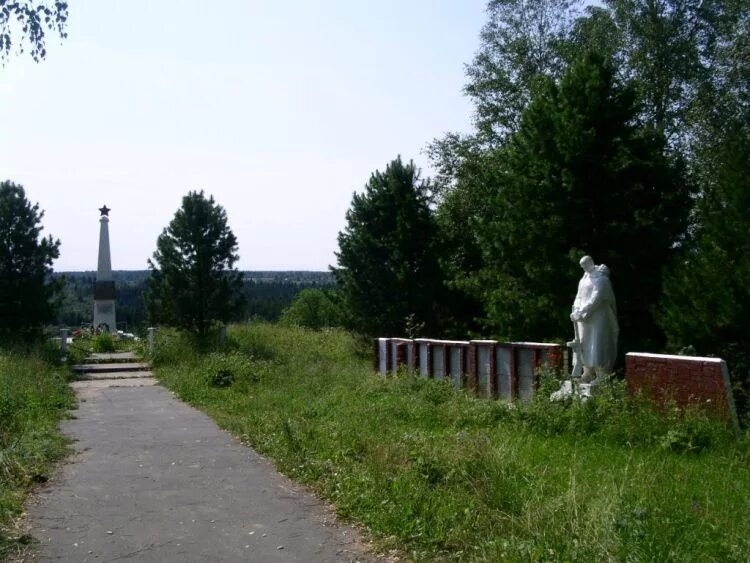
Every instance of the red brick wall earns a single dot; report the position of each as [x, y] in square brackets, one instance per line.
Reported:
[685, 380]
[556, 358]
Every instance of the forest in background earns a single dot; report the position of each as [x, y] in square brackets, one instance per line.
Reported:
[266, 293]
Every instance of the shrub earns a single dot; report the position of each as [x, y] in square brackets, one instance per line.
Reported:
[315, 308]
[103, 342]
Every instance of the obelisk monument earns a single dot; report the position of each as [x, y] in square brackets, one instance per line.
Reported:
[104, 292]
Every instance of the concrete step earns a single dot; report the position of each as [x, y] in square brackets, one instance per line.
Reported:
[111, 367]
[102, 376]
[112, 357]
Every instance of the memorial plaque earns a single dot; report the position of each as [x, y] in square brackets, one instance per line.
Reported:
[456, 366]
[438, 361]
[504, 373]
[483, 370]
[423, 349]
[382, 356]
[525, 369]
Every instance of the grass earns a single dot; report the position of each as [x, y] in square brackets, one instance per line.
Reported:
[83, 346]
[34, 396]
[444, 476]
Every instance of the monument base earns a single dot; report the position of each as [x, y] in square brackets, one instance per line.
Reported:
[570, 388]
[104, 315]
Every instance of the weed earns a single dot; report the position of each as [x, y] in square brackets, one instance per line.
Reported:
[103, 342]
[34, 397]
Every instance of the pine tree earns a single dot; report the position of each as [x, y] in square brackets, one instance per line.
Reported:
[193, 280]
[26, 288]
[387, 264]
[579, 178]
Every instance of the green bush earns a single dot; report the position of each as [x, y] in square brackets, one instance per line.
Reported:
[103, 342]
[316, 309]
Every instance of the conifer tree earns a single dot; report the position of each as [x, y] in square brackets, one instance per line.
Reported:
[193, 280]
[706, 303]
[26, 288]
[579, 178]
[387, 265]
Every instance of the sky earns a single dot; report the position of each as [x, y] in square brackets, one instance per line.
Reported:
[280, 110]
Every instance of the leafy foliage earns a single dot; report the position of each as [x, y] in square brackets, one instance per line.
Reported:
[33, 17]
[707, 298]
[26, 290]
[664, 49]
[522, 41]
[387, 259]
[315, 309]
[103, 342]
[668, 61]
[193, 281]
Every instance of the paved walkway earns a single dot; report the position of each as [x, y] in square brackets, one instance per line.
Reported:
[156, 480]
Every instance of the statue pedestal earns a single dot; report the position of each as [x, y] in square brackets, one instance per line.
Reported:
[570, 388]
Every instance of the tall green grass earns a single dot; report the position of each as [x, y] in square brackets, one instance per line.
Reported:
[34, 396]
[444, 476]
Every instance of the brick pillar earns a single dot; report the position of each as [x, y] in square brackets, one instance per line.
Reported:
[513, 372]
[375, 355]
[472, 371]
[401, 355]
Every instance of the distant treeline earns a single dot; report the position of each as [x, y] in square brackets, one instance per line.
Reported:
[267, 294]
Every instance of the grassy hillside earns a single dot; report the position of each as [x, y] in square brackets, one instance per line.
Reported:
[442, 475]
[34, 396]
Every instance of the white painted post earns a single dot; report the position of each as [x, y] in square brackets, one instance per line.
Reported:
[223, 333]
[151, 340]
[63, 342]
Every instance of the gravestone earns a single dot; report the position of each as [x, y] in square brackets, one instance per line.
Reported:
[424, 356]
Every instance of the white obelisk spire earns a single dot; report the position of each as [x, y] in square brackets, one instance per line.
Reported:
[104, 293]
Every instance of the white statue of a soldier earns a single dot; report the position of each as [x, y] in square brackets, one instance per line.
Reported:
[595, 317]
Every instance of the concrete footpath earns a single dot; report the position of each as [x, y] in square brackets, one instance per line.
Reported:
[153, 479]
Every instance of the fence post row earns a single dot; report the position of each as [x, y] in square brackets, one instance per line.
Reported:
[508, 370]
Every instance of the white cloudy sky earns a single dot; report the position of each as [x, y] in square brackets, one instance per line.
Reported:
[280, 109]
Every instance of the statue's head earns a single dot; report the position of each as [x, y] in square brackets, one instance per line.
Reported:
[603, 269]
[587, 263]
